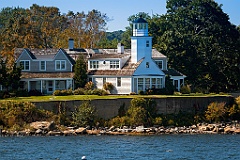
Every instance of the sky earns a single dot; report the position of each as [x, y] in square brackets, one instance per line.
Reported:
[118, 10]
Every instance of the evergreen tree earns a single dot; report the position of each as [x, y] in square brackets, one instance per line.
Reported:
[80, 72]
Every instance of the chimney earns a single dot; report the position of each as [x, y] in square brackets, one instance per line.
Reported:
[120, 48]
[70, 44]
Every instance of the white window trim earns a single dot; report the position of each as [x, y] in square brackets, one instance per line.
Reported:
[91, 65]
[117, 82]
[60, 69]
[45, 66]
[24, 65]
[159, 61]
[114, 63]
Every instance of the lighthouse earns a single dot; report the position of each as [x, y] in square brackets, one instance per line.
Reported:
[141, 43]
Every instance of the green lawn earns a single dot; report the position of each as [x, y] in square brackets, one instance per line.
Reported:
[92, 97]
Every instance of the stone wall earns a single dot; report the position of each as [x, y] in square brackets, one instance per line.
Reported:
[108, 108]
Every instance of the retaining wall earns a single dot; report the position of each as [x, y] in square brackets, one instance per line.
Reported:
[108, 108]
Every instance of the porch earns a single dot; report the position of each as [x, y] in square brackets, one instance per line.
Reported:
[46, 86]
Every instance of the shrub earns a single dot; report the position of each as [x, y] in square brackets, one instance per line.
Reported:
[119, 121]
[185, 89]
[79, 91]
[158, 121]
[19, 113]
[132, 93]
[108, 86]
[89, 85]
[34, 93]
[63, 92]
[22, 93]
[84, 115]
[216, 112]
[99, 92]
[140, 92]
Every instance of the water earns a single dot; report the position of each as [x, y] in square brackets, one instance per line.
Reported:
[162, 147]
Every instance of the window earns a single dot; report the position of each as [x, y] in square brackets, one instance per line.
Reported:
[147, 64]
[60, 84]
[147, 43]
[104, 80]
[140, 84]
[42, 65]
[119, 82]
[160, 64]
[94, 64]
[90, 79]
[114, 64]
[60, 65]
[25, 65]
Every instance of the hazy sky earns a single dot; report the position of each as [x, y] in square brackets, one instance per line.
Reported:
[118, 10]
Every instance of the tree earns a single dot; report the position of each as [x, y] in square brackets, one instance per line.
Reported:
[216, 112]
[80, 72]
[142, 111]
[9, 74]
[84, 115]
[200, 42]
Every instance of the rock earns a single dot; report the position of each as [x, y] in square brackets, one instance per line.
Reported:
[43, 125]
[237, 131]
[93, 132]
[39, 131]
[81, 130]
[69, 132]
[229, 129]
[112, 128]
[54, 133]
[140, 129]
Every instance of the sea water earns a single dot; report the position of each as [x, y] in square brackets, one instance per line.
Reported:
[162, 147]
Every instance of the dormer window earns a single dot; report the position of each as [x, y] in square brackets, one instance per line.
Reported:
[94, 64]
[147, 43]
[159, 63]
[114, 64]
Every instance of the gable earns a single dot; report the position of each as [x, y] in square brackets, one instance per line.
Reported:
[148, 68]
[25, 55]
[62, 55]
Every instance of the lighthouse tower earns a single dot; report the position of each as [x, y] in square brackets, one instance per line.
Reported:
[141, 43]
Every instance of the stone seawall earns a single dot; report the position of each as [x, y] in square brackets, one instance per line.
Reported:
[108, 108]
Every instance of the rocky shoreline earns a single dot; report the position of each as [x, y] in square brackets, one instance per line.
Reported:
[45, 128]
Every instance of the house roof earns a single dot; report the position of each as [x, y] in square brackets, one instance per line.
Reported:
[47, 75]
[173, 72]
[104, 56]
[140, 20]
[127, 70]
[156, 54]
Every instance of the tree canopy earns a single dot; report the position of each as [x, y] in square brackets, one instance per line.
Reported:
[44, 27]
[200, 42]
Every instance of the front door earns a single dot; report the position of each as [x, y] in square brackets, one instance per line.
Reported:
[50, 86]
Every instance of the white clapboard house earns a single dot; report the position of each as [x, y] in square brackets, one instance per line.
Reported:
[129, 70]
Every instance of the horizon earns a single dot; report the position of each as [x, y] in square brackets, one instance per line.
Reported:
[118, 11]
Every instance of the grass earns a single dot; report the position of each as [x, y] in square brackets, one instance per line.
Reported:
[92, 97]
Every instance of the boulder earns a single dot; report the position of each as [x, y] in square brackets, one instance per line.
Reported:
[54, 133]
[43, 125]
[237, 131]
[81, 130]
[229, 129]
[69, 132]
